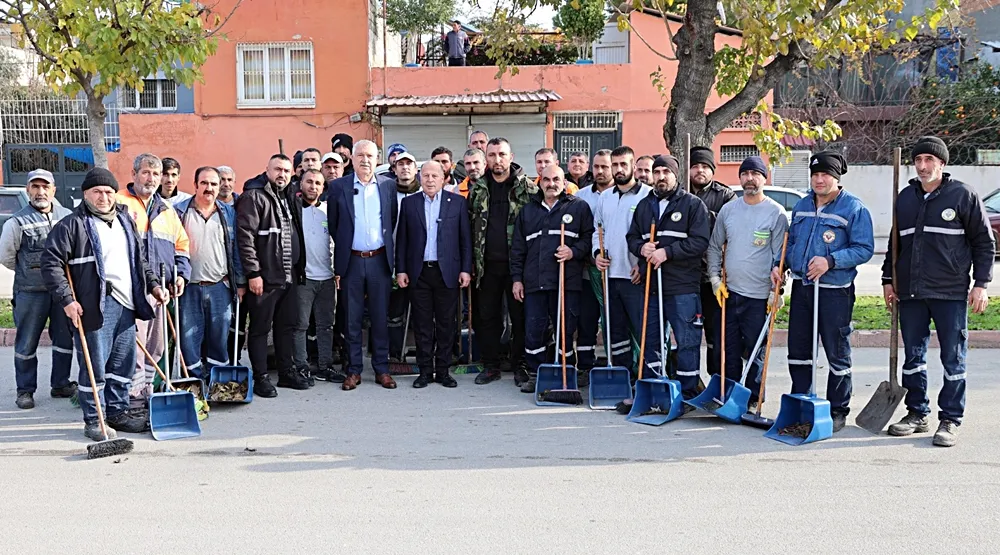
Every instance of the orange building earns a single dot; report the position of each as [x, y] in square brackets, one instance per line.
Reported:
[303, 71]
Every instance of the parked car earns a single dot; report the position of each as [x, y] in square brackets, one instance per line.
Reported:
[992, 202]
[12, 199]
[787, 198]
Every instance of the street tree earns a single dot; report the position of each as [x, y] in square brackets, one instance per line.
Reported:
[416, 17]
[582, 21]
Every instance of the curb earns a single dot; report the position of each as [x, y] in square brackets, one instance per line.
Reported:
[980, 339]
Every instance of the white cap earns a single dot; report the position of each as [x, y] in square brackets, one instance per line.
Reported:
[332, 156]
[405, 156]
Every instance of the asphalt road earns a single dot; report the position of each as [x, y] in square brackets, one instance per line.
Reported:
[480, 469]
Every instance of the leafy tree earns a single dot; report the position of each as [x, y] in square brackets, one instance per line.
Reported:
[94, 47]
[416, 17]
[777, 36]
[582, 21]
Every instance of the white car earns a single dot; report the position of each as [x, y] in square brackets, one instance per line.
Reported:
[787, 198]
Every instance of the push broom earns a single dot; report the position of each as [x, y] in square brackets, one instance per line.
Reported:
[564, 396]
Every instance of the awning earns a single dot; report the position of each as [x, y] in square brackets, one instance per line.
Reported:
[472, 102]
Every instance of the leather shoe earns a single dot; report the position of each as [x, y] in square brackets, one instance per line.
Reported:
[446, 380]
[385, 380]
[351, 382]
[422, 381]
[488, 376]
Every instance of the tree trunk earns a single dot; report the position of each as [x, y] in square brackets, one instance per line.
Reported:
[95, 118]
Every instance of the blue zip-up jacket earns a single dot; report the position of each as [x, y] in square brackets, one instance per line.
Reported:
[841, 232]
[236, 278]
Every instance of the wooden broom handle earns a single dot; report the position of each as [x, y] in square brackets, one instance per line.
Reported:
[645, 302]
[149, 358]
[562, 302]
[722, 326]
[173, 331]
[770, 326]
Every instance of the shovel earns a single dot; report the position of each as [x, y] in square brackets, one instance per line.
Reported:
[402, 368]
[609, 385]
[755, 419]
[220, 376]
[888, 395]
[804, 418]
[172, 414]
[467, 344]
[657, 400]
[547, 392]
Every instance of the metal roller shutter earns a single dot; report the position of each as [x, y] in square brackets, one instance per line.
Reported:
[525, 132]
[422, 134]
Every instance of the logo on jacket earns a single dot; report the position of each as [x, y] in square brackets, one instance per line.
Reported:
[948, 215]
[567, 218]
[760, 238]
[829, 236]
[675, 217]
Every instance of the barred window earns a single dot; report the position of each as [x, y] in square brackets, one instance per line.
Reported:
[157, 94]
[275, 75]
[738, 153]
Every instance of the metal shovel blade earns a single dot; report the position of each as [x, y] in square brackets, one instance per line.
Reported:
[173, 416]
[609, 385]
[801, 419]
[550, 379]
[879, 410]
[657, 401]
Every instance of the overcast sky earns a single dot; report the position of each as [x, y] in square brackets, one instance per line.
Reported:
[542, 16]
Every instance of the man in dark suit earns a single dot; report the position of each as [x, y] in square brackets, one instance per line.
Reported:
[362, 213]
[434, 260]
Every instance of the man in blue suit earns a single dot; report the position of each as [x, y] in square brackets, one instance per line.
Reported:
[362, 213]
[433, 261]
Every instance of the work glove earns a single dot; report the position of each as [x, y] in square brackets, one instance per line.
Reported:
[770, 302]
[719, 289]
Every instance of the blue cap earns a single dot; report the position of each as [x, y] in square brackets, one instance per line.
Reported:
[395, 148]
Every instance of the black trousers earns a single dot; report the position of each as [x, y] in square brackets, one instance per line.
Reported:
[456, 62]
[712, 313]
[435, 306]
[277, 309]
[494, 286]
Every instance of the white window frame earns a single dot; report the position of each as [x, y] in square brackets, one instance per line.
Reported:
[267, 102]
[137, 107]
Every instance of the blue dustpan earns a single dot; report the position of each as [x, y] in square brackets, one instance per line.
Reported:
[173, 416]
[734, 405]
[549, 378]
[609, 385]
[657, 401]
[227, 374]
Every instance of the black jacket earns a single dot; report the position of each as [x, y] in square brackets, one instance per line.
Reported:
[536, 238]
[586, 180]
[73, 241]
[941, 238]
[682, 230]
[257, 218]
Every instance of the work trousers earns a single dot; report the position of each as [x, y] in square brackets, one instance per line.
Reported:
[711, 313]
[150, 332]
[31, 311]
[745, 317]
[494, 286]
[540, 309]
[836, 306]
[587, 327]
[626, 306]
[317, 300]
[951, 321]
[276, 308]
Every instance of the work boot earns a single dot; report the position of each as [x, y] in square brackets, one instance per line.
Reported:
[262, 387]
[128, 422]
[26, 400]
[913, 422]
[946, 434]
[490, 375]
[93, 431]
[839, 421]
[331, 375]
[582, 379]
[423, 380]
[293, 379]
[752, 408]
[64, 392]
[528, 386]
[521, 375]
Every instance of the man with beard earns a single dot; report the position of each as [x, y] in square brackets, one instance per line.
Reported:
[227, 181]
[21, 246]
[99, 244]
[442, 155]
[830, 236]
[677, 250]
[216, 276]
[333, 168]
[590, 306]
[752, 230]
[579, 173]
[644, 170]
[535, 258]
[406, 185]
[474, 162]
[715, 195]
[169, 182]
[614, 212]
[343, 144]
[544, 158]
[269, 236]
[477, 141]
[166, 246]
[493, 205]
[944, 232]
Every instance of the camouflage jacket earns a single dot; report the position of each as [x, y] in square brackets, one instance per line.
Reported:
[479, 210]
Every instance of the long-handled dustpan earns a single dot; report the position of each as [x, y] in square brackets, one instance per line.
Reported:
[804, 418]
[172, 414]
[658, 400]
[551, 376]
[609, 385]
[188, 383]
[401, 367]
[233, 383]
[755, 419]
[467, 344]
[880, 408]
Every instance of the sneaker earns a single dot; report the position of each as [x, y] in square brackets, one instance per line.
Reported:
[528, 386]
[521, 376]
[93, 431]
[307, 374]
[293, 379]
[913, 422]
[946, 434]
[64, 392]
[490, 375]
[331, 375]
[262, 387]
[25, 400]
[839, 421]
[752, 408]
[129, 422]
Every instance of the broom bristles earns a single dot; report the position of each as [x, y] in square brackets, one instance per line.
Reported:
[562, 396]
[109, 448]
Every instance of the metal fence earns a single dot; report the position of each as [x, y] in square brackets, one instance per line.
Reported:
[46, 119]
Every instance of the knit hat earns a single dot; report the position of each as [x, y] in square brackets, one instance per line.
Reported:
[394, 148]
[931, 145]
[297, 159]
[342, 139]
[98, 177]
[754, 164]
[666, 161]
[828, 162]
[703, 155]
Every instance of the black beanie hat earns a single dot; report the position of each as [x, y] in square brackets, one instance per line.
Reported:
[666, 161]
[342, 139]
[930, 145]
[297, 159]
[703, 155]
[98, 177]
[754, 164]
[828, 162]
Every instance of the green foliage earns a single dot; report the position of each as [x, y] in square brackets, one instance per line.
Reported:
[582, 21]
[547, 53]
[418, 16]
